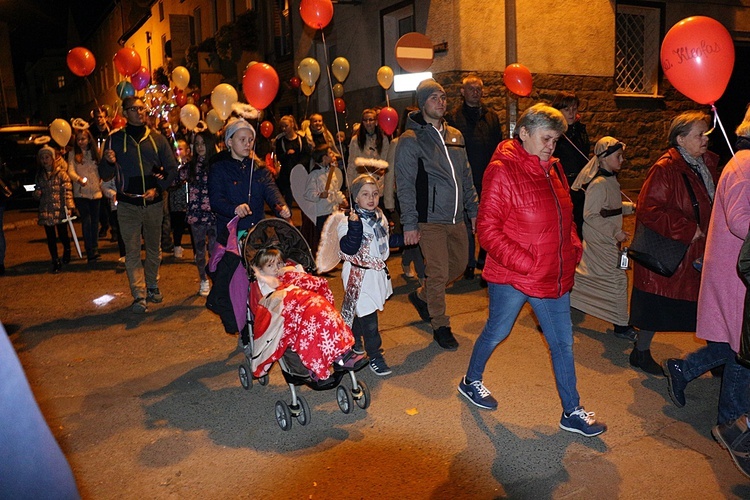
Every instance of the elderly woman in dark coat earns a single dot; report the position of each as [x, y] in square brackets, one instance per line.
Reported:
[660, 303]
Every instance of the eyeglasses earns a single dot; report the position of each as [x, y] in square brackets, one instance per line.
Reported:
[137, 109]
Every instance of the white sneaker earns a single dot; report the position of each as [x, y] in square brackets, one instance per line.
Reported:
[204, 288]
[177, 252]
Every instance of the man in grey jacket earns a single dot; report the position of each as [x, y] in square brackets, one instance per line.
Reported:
[434, 186]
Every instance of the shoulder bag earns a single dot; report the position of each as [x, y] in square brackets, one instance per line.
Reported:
[658, 253]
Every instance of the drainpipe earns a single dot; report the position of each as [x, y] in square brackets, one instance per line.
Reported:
[511, 108]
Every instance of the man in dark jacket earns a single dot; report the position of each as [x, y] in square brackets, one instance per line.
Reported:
[480, 127]
[144, 167]
[434, 185]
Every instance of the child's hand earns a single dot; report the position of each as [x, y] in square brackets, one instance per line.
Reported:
[353, 216]
[323, 195]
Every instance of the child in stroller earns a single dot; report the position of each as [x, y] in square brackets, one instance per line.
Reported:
[295, 310]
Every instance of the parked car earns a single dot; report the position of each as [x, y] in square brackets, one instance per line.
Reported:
[18, 148]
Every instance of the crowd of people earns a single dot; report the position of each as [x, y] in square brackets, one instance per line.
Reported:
[537, 213]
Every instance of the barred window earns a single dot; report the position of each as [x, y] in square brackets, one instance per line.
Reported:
[637, 49]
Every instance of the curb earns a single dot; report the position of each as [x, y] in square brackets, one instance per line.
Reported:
[17, 225]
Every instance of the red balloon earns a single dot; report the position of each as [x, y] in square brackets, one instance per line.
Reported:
[141, 78]
[697, 57]
[517, 78]
[118, 121]
[295, 82]
[196, 96]
[127, 61]
[260, 85]
[388, 120]
[81, 61]
[266, 129]
[180, 98]
[339, 104]
[316, 13]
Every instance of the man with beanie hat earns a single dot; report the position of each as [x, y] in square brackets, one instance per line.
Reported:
[144, 166]
[435, 187]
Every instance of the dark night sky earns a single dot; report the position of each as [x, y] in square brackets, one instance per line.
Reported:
[36, 25]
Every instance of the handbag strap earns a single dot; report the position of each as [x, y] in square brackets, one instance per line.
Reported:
[693, 199]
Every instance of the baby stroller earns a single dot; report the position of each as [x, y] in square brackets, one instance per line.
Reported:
[281, 234]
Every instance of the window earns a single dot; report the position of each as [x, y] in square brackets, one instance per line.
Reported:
[164, 51]
[161, 11]
[637, 36]
[214, 16]
[282, 29]
[197, 25]
[231, 15]
[60, 81]
[395, 22]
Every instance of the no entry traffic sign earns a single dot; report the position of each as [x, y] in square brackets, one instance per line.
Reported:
[414, 52]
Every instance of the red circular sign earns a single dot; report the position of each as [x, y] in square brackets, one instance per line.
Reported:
[414, 52]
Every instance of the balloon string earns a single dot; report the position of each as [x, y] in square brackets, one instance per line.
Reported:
[93, 94]
[336, 115]
[721, 126]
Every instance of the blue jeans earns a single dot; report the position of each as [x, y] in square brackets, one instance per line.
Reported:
[203, 231]
[554, 317]
[734, 399]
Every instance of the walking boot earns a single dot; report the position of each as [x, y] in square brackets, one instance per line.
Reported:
[66, 256]
[56, 266]
[644, 361]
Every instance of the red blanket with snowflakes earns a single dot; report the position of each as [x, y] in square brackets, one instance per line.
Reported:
[299, 315]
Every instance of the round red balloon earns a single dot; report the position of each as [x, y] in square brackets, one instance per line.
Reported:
[388, 120]
[118, 121]
[260, 85]
[266, 129]
[697, 57]
[127, 61]
[81, 61]
[517, 78]
[339, 104]
[316, 13]
[295, 82]
[180, 98]
[141, 78]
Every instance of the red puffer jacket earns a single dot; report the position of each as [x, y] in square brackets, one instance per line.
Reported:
[664, 206]
[525, 223]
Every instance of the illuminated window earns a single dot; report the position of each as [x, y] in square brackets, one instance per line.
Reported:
[161, 11]
[282, 28]
[637, 46]
[60, 81]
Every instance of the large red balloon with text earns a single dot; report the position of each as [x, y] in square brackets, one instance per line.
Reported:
[697, 57]
[127, 61]
[517, 78]
[316, 13]
[388, 120]
[81, 61]
[260, 85]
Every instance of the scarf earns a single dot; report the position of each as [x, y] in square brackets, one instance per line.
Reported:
[698, 166]
[361, 262]
[376, 220]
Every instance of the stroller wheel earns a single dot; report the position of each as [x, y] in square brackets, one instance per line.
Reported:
[363, 398]
[304, 415]
[263, 380]
[283, 416]
[245, 378]
[344, 399]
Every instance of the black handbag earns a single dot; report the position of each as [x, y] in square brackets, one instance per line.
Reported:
[658, 253]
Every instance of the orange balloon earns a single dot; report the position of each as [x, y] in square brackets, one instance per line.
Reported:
[127, 61]
[517, 78]
[81, 61]
[260, 84]
[697, 57]
[316, 13]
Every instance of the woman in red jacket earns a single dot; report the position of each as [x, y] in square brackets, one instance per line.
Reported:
[525, 223]
[670, 304]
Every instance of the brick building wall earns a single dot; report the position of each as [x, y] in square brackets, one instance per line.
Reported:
[641, 123]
